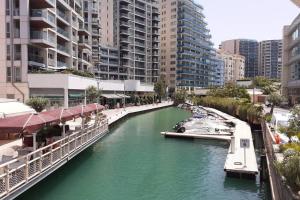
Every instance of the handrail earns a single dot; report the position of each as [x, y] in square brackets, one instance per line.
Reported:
[31, 165]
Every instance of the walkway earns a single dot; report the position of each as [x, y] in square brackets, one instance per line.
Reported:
[235, 159]
[116, 114]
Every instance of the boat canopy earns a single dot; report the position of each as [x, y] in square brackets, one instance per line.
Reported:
[30, 123]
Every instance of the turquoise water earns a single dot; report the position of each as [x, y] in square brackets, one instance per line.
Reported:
[134, 162]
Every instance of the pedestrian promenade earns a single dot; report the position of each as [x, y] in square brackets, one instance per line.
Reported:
[114, 115]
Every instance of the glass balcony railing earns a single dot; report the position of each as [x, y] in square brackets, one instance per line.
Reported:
[63, 15]
[42, 35]
[62, 48]
[42, 13]
[35, 58]
[62, 32]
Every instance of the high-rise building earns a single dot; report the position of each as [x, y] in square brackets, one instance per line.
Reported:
[133, 28]
[40, 35]
[290, 77]
[246, 48]
[219, 76]
[187, 54]
[234, 66]
[270, 59]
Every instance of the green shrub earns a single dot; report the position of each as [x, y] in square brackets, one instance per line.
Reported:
[38, 103]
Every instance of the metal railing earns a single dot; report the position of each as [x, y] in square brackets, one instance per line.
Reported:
[280, 190]
[19, 172]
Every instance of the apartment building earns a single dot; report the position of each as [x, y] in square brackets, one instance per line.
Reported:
[246, 48]
[132, 27]
[109, 64]
[187, 54]
[39, 35]
[290, 77]
[219, 73]
[270, 59]
[234, 66]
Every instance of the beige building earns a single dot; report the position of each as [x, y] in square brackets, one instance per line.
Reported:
[290, 77]
[106, 22]
[45, 35]
[234, 66]
[248, 49]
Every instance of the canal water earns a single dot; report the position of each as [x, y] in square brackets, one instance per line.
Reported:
[134, 162]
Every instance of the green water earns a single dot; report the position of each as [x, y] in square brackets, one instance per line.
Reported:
[134, 162]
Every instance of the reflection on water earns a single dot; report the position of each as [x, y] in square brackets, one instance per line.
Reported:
[134, 162]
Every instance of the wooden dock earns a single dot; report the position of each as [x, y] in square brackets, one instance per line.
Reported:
[234, 164]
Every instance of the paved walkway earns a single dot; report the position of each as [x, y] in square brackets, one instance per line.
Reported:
[114, 115]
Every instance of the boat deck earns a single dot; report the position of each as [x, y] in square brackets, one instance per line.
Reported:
[197, 136]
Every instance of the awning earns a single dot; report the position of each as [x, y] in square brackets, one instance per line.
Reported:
[111, 96]
[31, 123]
[123, 96]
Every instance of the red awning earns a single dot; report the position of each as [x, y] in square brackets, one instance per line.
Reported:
[33, 122]
[27, 122]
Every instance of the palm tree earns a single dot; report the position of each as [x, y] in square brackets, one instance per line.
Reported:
[275, 100]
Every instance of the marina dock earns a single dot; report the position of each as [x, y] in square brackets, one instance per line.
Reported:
[235, 164]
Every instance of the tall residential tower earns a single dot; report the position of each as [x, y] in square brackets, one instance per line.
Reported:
[187, 54]
[40, 35]
[270, 59]
[132, 27]
[290, 77]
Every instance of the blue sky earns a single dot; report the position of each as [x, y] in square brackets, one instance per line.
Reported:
[251, 19]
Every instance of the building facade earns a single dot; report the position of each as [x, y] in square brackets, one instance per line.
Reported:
[270, 59]
[187, 54]
[219, 73]
[246, 48]
[234, 66]
[290, 78]
[132, 27]
[109, 64]
[45, 35]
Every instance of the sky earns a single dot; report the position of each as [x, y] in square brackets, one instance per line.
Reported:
[247, 19]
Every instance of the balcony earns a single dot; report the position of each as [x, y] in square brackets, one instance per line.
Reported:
[36, 60]
[84, 44]
[62, 65]
[62, 16]
[155, 19]
[124, 24]
[64, 33]
[41, 19]
[42, 4]
[63, 49]
[83, 29]
[124, 15]
[42, 39]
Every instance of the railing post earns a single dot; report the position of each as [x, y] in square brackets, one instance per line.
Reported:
[26, 168]
[68, 145]
[40, 161]
[7, 178]
[51, 155]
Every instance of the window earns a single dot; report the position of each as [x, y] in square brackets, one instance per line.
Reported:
[17, 49]
[8, 74]
[7, 30]
[7, 52]
[18, 74]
